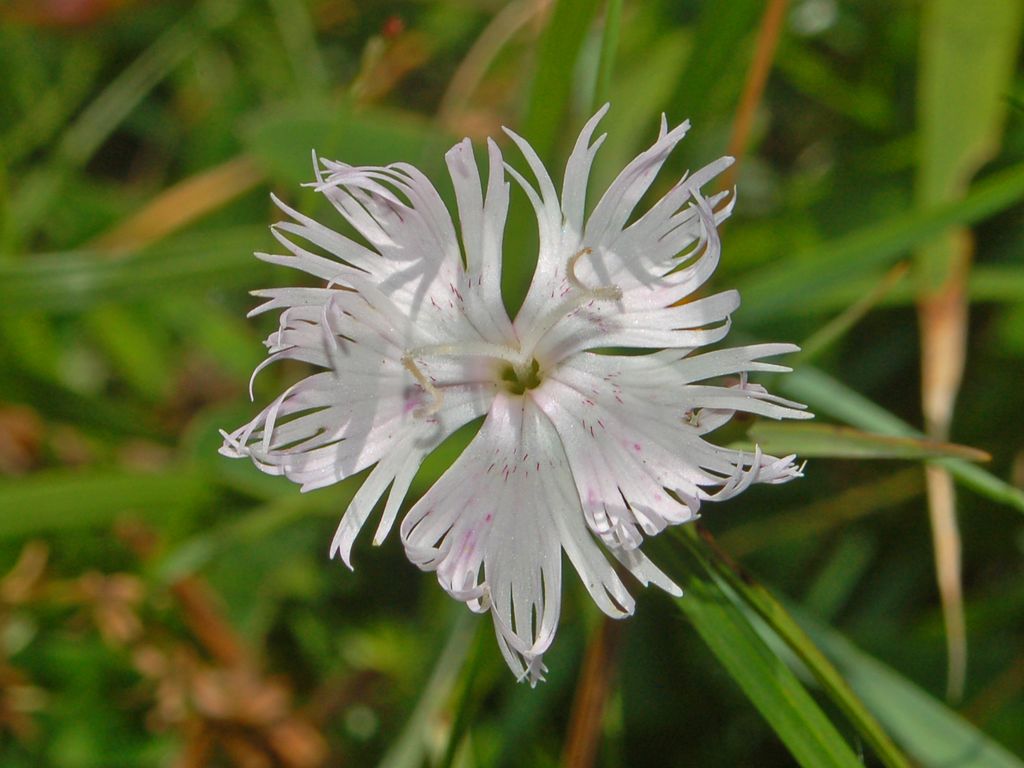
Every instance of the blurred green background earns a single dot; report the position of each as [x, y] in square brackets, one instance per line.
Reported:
[162, 606]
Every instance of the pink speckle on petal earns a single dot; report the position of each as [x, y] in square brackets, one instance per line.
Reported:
[637, 446]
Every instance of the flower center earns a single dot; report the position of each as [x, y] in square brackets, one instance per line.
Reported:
[518, 379]
[523, 375]
[517, 368]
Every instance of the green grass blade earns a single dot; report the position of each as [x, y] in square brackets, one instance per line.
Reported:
[137, 351]
[467, 700]
[994, 283]
[410, 748]
[765, 679]
[785, 627]
[968, 53]
[258, 523]
[50, 110]
[77, 280]
[124, 93]
[298, 33]
[609, 48]
[62, 501]
[98, 414]
[827, 396]
[814, 74]
[551, 89]
[782, 289]
[931, 732]
[638, 94]
[281, 137]
[829, 440]
[713, 78]
[859, 307]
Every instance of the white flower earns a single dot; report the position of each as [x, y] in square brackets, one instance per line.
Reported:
[578, 443]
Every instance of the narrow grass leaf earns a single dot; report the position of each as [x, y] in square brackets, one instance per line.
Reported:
[551, 89]
[827, 396]
[967, 59]
[62, 501]
[932, 733]
[989, 283]
[97, 414]
[813, 74]
[765, 679]
[713, 77]
[834, 330]
[754, 596]
[467, 699]
[831, 441]
[139, 352]
[258, 524]
[281, 138]
[409, 749]
[783, 289]
[77, 280]
[609, 48]
[968, 53]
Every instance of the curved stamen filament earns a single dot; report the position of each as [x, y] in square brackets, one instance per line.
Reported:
[570, 268]
[465, 349]
[469, 349]
[582, 296]
[428, 387]
[608, 292]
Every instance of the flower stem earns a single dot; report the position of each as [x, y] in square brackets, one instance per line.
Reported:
[592, 690]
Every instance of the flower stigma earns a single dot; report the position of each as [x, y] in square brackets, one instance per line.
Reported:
[518, 379]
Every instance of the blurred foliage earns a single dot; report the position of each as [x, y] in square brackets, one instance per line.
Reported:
[162, 606]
